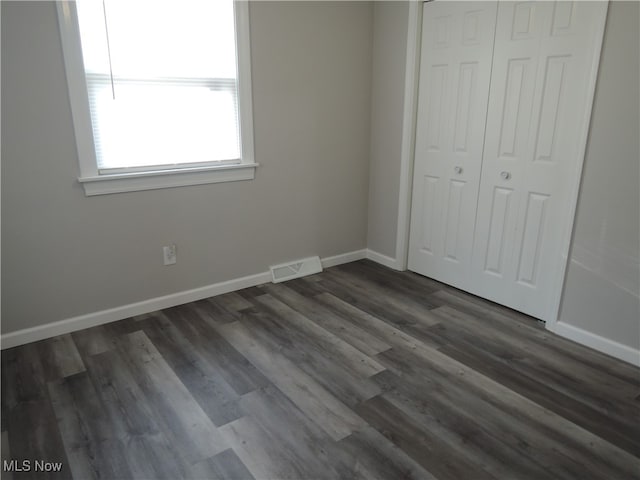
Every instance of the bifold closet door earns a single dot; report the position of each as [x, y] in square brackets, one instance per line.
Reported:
[544, 59]
[455, 71]
[504, 104]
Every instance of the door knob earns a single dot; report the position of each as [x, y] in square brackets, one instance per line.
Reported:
[505, 175]
[458, 170]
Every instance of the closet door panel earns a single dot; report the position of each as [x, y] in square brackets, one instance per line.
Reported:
[508, 123]
[538, 109]
[453, 92]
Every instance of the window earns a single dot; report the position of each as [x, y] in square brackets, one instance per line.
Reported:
[160, 92]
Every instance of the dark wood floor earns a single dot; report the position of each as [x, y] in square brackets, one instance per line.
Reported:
[358, 372]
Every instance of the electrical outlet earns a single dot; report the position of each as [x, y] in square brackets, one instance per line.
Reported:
[170, 254]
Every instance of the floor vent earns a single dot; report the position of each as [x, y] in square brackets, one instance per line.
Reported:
[297, 269]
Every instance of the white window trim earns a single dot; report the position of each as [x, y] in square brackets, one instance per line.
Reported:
[92, 180]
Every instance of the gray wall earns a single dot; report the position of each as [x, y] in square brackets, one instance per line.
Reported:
[64, 254]
[602, 287]
[390, 23]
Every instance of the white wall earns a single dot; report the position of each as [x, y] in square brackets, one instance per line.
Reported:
[602, 288]
[64, 254]
[390, 23]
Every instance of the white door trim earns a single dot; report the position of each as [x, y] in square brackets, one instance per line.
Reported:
[412, 70]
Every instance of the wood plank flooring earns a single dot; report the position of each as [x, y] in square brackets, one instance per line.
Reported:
[358, 372]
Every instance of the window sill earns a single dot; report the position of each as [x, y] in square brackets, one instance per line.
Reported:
[131, 182]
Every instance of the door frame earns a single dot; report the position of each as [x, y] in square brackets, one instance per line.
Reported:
[409, 121]
[407, 158]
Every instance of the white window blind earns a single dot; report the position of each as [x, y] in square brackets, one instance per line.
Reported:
[162, 82]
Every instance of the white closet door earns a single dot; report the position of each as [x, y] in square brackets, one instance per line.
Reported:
[455, 71]
[539, 108]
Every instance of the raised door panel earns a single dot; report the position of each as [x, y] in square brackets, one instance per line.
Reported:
[495, 255]
[428, 213]
[436, 112]
[530, 249]
[455, 70]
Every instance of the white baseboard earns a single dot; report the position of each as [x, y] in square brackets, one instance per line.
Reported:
[40, 332]
[602, 344]
[68, 325]
[343, 258]
[383, 260]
